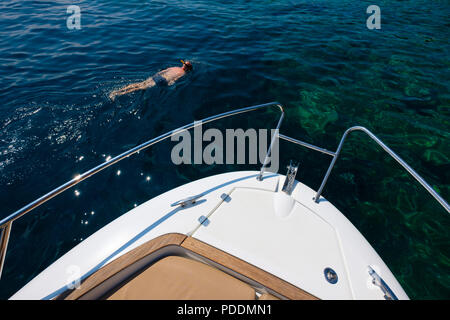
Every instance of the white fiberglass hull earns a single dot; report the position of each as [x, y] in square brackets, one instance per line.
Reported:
[291, 237]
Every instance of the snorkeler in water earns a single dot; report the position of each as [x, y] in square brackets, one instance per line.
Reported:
[165, 77]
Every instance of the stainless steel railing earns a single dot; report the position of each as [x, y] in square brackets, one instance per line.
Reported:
[6, 223]
[411, 171]
[336, 154]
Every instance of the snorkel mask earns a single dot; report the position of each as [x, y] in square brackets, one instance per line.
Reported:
[187, 66]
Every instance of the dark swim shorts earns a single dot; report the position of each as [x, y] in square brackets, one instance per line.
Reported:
[160, 81]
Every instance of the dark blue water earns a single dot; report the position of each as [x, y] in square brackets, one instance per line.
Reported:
[318, 58]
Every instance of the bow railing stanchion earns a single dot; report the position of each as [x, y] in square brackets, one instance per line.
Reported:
[272, 142]
[5, 224]
[4, 239]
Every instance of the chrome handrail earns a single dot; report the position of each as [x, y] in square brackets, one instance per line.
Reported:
[269, 151]
[307, 145]
[411, 171]
[5, 224]
[4, 239]
[336, 154]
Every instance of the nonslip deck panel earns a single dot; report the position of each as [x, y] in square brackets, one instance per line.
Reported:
[179, 278]
[125, 261]
[224, 259]
[266, 279]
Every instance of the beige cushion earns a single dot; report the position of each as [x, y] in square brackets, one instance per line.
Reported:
[177, 278]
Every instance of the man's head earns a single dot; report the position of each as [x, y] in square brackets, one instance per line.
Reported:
[187, 65]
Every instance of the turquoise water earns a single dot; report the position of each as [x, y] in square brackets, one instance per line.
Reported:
[318, 58]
